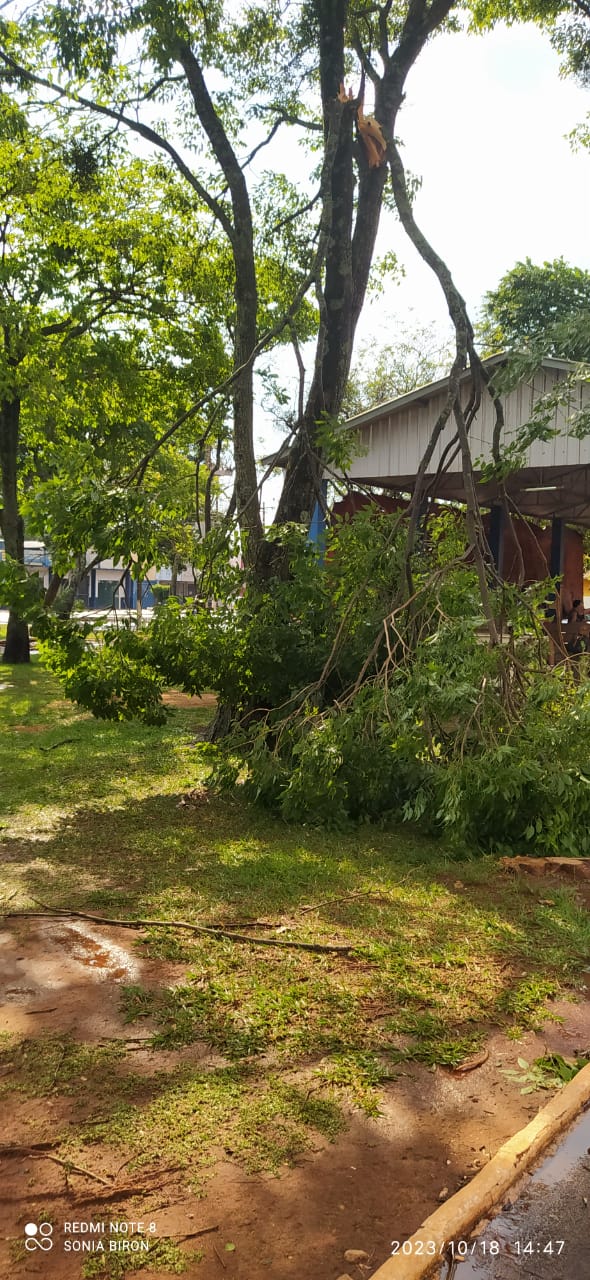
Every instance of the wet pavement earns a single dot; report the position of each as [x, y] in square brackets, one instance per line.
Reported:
[545, 1233]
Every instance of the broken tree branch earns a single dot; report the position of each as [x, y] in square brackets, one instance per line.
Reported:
[35, 1154]
[330, 948]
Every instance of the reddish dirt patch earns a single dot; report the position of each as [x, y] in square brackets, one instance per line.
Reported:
[29, 728]
[65, 975]
[577, 868]
[376, 1183]
[174, 698]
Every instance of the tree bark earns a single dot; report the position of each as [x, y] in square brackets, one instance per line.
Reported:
[52, 590]
[66, 595]
[174, 576]
[17, 647]
[241, 237]
[352, 235]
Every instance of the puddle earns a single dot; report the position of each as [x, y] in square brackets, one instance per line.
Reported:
[545, 1233]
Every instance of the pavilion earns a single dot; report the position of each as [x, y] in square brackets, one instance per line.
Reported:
[552, 482]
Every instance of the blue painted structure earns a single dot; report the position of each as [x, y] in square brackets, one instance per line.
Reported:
[317, 528]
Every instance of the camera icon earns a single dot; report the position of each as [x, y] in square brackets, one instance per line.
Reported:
[38, 1236]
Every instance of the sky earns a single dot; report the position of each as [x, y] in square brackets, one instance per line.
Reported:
[484, 125]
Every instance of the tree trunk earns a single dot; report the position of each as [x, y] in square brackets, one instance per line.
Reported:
[52, 590]
[241, 236]
[66, 594]
[174, 576]
[352, 236]
[17, 646]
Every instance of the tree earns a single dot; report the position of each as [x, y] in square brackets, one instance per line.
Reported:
[84, 482]
[544, 307]
[211, 73]
[94, 246]
[572, 40]
[78, 498]
[188, 58]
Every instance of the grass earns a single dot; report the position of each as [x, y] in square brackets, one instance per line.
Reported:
[163, 1255]
[443, 950]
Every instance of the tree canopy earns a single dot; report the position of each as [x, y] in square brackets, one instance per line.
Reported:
[110, 326]
[210, 96]
[546, 308]
[192, 83]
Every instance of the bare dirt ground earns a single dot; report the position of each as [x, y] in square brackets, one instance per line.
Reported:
[372, 1185]
[189, 701]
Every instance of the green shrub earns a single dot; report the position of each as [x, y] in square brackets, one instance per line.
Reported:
[347, 708]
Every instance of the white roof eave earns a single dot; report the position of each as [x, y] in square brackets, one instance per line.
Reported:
[430, 389]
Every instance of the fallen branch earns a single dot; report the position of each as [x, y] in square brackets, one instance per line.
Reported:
[330, 948]
[36, 1153]
[244, 924]
[470, 1064]
[192, 1235]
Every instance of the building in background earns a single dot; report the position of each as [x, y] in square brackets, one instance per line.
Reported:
[37, 560]
[108, 585]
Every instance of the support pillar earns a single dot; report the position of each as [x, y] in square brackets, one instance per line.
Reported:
[317, 528]
[557, 546]
[496, 536]
[556, 567]
[128, 590]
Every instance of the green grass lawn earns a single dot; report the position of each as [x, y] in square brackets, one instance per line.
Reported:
[442, 950]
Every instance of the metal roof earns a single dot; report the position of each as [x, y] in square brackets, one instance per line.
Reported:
[429, 389]
[554, 476]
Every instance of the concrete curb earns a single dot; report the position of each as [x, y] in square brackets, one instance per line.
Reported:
[457, 1217]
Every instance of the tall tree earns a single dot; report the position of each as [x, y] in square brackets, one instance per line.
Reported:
[105, 408]
[94, 244]
[225, 71]
[198, 79]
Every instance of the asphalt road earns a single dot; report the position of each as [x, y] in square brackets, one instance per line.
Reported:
[545, 1234]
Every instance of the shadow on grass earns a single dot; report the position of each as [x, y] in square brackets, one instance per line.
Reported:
[376, 1184]
[53, 757]
[436, 959]
[441, 949]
